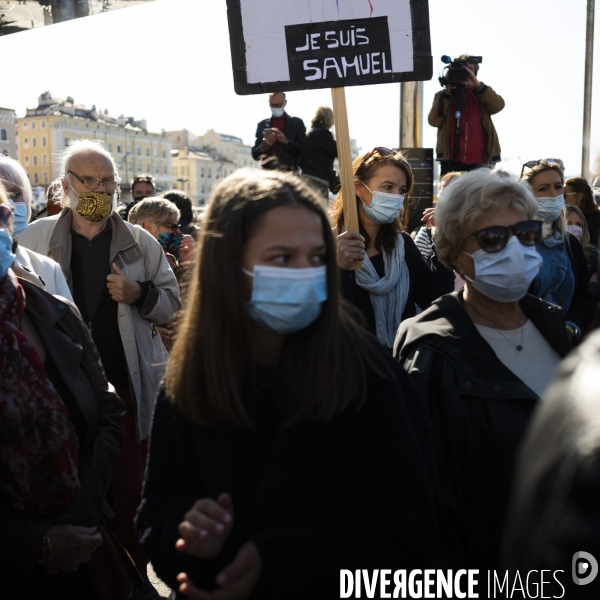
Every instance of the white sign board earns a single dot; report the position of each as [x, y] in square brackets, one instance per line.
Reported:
[282, 45]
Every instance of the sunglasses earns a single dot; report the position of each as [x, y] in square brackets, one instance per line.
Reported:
[6, 215]
[548, 161]
[493, 239]
[171, 226]
[382, 151]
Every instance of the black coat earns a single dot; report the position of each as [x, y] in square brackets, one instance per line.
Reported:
[318, 153]
[97, 414]
[287, 154]
[479, 410]
[315, 498]
[593, 224]
[554, 506]
[425, 285]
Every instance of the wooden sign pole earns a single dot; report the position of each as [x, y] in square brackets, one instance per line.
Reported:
[342, 136]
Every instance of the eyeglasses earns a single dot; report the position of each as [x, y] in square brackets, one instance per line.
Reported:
[6, 215]
[171, 226]
[549, 161]
[89, 183]
[493, 239]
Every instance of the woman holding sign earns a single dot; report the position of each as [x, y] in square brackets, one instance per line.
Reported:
[394, 278]
[284, 446]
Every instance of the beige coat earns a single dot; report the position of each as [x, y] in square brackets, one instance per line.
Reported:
[141, 258]
[41, 271]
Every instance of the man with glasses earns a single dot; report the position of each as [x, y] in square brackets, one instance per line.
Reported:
[123, 286]
[476, 144]
[279, 139]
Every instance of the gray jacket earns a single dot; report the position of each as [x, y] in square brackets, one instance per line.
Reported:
[141, 258]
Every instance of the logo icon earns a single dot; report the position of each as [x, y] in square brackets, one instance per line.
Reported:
[585, 568]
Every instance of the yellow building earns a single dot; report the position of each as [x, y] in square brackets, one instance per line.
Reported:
[46, 131]
[199, 162]
[196, 173]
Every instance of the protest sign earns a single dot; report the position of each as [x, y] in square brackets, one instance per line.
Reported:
[286, 45]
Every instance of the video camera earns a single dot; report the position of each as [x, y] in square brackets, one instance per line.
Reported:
[454, 73]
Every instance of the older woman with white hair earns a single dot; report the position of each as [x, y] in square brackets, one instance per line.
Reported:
[482, 356]
[160, 218]
[319, 151]
[35, 268]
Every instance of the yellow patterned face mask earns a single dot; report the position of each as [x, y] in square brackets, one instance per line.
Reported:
[94, 206]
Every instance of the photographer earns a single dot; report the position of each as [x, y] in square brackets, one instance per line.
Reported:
[474, 143]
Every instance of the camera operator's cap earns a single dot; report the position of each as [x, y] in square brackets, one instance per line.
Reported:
[557, 162]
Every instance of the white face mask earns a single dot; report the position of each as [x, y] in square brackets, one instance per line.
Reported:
[549, 209]
[576, 230]
[384, 207]
[277, 112]
[505, 276]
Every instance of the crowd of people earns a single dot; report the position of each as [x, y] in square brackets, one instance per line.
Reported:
[262, 399]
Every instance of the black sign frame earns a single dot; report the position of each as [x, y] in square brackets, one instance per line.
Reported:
[423, 60]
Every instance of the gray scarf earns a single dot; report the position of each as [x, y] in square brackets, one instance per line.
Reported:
[388, 294]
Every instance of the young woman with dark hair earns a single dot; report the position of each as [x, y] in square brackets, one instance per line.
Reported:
[394, 278]
[286, 445]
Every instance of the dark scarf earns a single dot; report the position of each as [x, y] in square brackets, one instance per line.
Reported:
[38, 444]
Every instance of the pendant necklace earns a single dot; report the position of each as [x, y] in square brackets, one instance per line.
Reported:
[518, 347]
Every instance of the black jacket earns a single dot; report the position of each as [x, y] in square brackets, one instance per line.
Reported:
[426, 284]
[315, 498]
[582, 308]
[593, 224]
[288, 154]
[318, 153]
[479, 410]
[97, 413]
[554, 505]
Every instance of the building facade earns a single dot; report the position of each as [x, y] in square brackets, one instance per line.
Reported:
[196, 173]
[47, 130]
[8, 132]
[200, 162]
[228, 146]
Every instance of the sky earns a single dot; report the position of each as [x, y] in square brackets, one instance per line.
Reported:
[169, 62]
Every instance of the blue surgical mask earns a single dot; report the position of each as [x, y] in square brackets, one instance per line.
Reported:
[6, 255]
[277, 112]
[549, 209]
[384, 207]
[19, 217]
[505, 276]
[286, 300]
